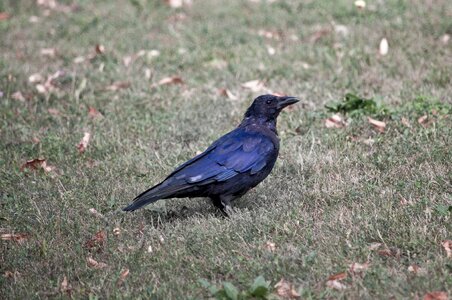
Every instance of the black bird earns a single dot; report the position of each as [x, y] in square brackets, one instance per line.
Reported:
[232, 165]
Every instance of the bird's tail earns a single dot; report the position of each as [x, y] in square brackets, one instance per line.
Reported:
[153, 194]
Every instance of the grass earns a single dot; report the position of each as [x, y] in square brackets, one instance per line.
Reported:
[332, 195]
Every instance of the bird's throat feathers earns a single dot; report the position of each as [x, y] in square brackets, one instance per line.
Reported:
[259, 121]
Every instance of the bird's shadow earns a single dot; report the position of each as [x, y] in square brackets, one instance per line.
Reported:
[159, 216]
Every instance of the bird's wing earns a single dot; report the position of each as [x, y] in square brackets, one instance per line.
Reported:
[235, 153]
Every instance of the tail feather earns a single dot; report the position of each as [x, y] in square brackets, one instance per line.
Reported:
[153, 194]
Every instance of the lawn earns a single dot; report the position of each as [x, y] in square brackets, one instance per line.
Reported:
[110, 96]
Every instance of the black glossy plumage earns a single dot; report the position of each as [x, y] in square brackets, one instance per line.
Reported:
[232, 165]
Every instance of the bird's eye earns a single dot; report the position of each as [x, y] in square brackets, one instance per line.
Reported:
[269, 101]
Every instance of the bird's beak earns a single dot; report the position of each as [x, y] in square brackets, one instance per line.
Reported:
[286, 101]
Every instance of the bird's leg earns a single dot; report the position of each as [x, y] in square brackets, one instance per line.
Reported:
[223, 203]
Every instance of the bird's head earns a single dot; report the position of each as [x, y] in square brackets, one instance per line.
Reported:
[268, 107]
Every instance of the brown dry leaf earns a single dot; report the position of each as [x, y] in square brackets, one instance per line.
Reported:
[170, 80]
[379, 125]
[50, 52]
[334, 281]
[35, 164]
[447, 245]
[118, 85]
[18, 96]
[227, 93]
[336, 284]
[84, 142]
[383, 49]
[53, 111]
[92, 263]
[10, 274]
[100, 49]
[319, 34]
[93, 113]
[254, 85]
[423, 120]
[97, 242]
[416, 270]
[338, 276]
[270, 246]
[122, 276]
[335, 121]
[389, 252]
[359, 268]
[16, 237]
[286, 290]
[439, 295]
[374, 246]
[4, 16]
[65, 287]
[405, 122]
[94, 212]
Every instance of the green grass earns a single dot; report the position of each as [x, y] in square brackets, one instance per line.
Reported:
[332, 194]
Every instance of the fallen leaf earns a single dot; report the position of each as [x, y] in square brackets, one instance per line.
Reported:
[335, 121]
[53, 111]
[423, 120]
[92, 263]
[416, 270]
[335, 284]
[94, 212]
[338, 276]
[10, 274]
[389, 252]
[384, 47]
[16, 237]
[117, 231]
[34, 78]
[359, 268]
[254, 85]
[227, 93]
[405, 122]
[270, 246]
[374, 246]
[379, 125]
[271, 51]
[319, 34]
[360, 4]
[122, 276]
[178, 3]
[445, 39]
[127, 60]
[50, 52]
[18, 96]
[100, 49]
[97, 242]
[65, 286]
[286, 290]
[4, 16]
[118, 85]
[93, 113]
[84, 142]
[447, 245]
[147, 73]
[170, 80]
[439, 295]
[35, 140]
[35, 164]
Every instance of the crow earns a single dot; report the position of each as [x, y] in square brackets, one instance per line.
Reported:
[232, 165]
